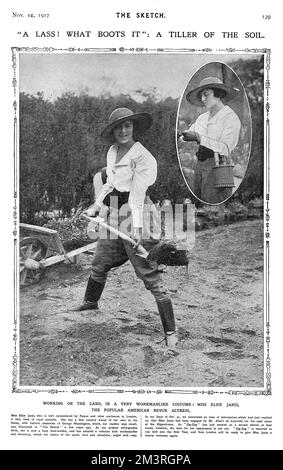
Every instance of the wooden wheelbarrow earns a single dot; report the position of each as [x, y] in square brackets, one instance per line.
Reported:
[40, 247]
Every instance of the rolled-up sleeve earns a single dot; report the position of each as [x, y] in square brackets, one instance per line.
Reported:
[106, 189]
[108, 186]
[145, 173]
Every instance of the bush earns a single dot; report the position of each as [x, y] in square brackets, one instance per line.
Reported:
[60, 147]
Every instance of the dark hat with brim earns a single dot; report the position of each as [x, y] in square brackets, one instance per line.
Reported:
[119, 115]
[211, 83]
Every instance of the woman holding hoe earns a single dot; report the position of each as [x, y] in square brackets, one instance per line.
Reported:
[131, 169]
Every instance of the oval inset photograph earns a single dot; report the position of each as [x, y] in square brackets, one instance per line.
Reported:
[214, 133]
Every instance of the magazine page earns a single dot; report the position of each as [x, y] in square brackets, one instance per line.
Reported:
[139, 240]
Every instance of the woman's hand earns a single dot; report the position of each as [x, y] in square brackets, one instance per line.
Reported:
[93, 210]
[190, 136]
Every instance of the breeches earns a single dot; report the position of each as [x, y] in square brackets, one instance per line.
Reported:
[112, 253]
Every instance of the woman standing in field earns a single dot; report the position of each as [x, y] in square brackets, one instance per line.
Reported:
[217, 132]
[131, 169]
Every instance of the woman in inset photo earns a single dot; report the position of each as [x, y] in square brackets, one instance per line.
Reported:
[208, 165]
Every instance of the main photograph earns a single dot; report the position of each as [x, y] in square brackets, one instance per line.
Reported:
[126, 276]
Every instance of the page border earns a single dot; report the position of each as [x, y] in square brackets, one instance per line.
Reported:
[266, 390]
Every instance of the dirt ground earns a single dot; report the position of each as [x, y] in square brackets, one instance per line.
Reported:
[219, 313]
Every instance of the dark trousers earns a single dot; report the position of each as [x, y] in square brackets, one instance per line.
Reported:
[112, 253]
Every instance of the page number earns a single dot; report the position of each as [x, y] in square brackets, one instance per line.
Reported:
[266, 17]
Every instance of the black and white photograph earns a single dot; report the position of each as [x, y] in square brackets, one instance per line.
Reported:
[140, 231]
[214, 150]
[137, 267]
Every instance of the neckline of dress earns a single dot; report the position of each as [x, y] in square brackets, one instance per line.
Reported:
[225, 108]
[117, 147]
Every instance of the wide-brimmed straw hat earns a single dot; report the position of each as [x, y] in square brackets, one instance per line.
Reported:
[212, 83]
[120, 115]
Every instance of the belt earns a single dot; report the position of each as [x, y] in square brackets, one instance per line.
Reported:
[116, 198]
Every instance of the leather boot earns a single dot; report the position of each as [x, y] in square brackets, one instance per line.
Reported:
[92, 295]
[166, 313]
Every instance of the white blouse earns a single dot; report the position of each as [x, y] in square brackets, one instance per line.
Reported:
[134, 173]
[221, 132]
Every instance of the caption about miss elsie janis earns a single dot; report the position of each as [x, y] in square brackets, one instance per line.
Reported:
[152, 18]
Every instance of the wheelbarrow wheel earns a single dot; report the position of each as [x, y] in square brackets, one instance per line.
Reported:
[32, 251]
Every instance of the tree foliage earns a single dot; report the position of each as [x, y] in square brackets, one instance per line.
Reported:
[61, 148]
[252, 76]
